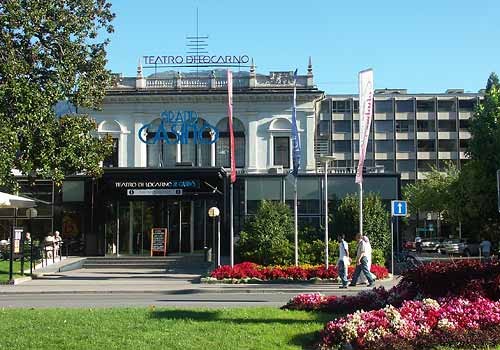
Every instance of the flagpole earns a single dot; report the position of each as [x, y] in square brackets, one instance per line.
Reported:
[361, 208]
[231, 232]
[295, 214]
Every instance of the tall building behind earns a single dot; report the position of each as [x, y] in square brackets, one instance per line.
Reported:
[411, 133]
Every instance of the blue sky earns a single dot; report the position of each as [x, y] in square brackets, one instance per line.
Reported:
[423, 46]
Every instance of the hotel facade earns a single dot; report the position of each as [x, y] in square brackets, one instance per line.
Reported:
[157, 178]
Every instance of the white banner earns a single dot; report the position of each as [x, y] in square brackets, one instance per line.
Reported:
[365, 117]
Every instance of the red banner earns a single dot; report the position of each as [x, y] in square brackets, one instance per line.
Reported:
[230, 121]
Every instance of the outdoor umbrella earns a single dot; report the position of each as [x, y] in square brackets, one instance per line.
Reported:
[12, 201]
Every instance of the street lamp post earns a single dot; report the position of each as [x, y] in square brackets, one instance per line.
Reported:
[326, 159]
[214, 213]
[31, 213]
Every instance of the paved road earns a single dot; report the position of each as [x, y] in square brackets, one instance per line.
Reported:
[96, 300]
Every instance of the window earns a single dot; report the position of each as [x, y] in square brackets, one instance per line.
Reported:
[405, 165]
[161, 154]
[405, 126]
[111, 160]
[282, 151]
[447, 106]
[426, 146]
[466, 105]
[369, 147]
[464, 145]
[426, 164]
[323, 129]
[384, 146]
[404, 106]
[386, 126]
[383, 106]
[464, 124]
[343, 146]
[355, 126]
[405, 146]
[356, 106]
[447, 145]
[426, 125]
[447, 125]
[341, 163]
[343, 126]
[222, 151]
[388, 165]
[341, 106]
[425, 106]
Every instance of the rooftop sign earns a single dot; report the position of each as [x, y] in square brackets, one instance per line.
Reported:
[196, 60]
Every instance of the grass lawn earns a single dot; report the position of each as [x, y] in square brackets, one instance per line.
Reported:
[4, 269]
[161, 328]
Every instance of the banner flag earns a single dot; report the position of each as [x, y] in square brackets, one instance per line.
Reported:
[230, 121]
[365, 117]
[295, 133]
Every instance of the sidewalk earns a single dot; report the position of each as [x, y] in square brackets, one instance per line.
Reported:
[157, 281]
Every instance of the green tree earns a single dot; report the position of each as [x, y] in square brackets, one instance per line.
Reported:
[437, 193]
[476, 187]
[376, 224]
[51, 52]
[267, 236]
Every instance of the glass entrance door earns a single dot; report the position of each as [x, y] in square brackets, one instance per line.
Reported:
[128, 225]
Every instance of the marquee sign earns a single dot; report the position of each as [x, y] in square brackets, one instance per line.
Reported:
[195, 59]
[175, 127]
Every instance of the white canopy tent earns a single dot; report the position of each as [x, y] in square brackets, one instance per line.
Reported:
[13, 201]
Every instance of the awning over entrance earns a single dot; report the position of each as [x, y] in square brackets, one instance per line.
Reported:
[149, 183]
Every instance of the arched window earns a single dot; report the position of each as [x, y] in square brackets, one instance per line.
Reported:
[113, 129]
[197, 153]
[223, 157]
[160, 154]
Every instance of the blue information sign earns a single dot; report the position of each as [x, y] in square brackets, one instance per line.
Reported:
[399, 208]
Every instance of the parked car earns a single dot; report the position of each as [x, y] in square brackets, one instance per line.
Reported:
[432, 244]
[463, 247]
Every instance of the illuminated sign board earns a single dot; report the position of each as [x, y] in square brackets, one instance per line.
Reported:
[176, 126]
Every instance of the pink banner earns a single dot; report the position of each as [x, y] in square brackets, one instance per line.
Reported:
[365, 117]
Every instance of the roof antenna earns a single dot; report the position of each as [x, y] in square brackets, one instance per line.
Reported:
[197, 45]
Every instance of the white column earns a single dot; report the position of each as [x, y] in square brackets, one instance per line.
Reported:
[252, 146]
[308, 150]
[212, 151]
[140, 150]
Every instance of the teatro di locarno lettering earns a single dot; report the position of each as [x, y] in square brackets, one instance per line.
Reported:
[176, 126]
[196, 59]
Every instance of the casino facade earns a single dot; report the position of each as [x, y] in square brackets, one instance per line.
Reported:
[171, 160]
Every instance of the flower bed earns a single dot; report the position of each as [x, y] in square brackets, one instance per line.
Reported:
[250, 271]
[469, 279]
[417, 325]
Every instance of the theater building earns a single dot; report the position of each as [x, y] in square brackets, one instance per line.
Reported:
[171, 159]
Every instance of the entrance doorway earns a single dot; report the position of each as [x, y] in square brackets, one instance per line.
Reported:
[128, 225]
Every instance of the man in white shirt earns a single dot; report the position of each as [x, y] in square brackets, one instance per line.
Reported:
[361, 263]
[344, 260]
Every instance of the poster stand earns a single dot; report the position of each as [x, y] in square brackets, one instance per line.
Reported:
[159, 241]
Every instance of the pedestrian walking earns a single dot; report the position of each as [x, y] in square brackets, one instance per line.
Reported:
[344, 260]
[361, 263]
[368, 253]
